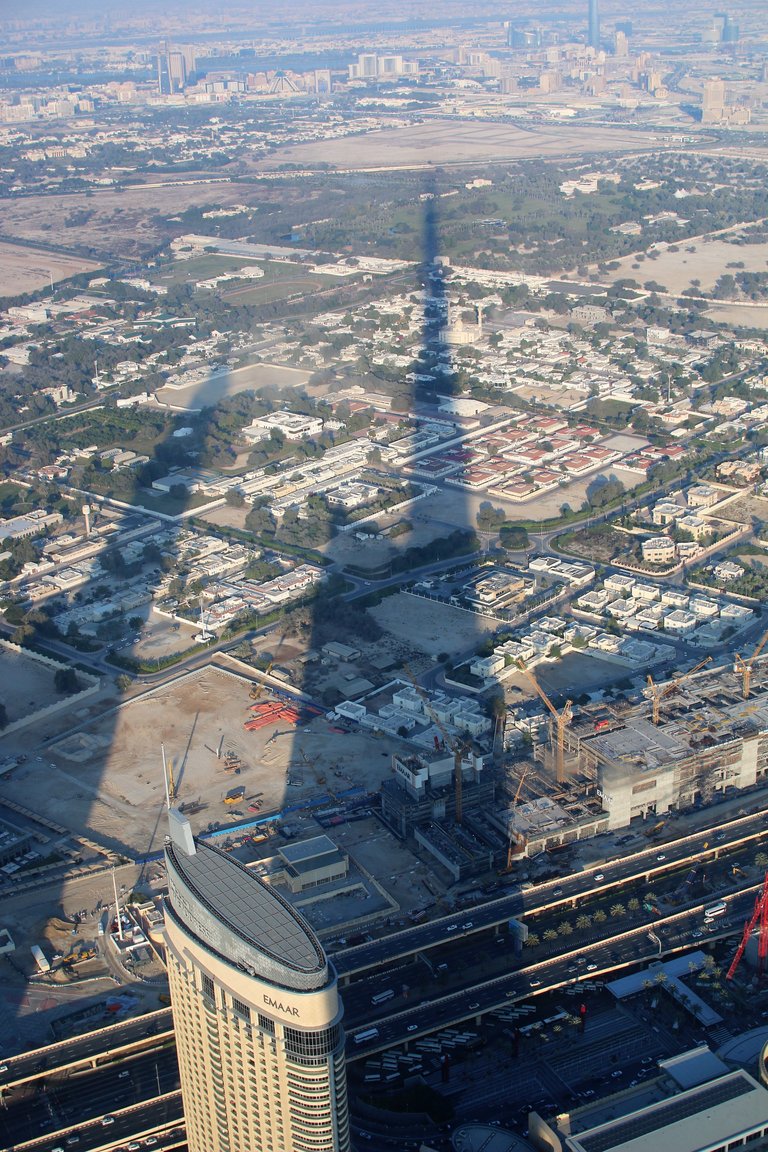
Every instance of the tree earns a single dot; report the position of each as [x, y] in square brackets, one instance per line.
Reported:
[532, 940]
[583, 922]
[123, 682]
[65, 681]
[235, 498]
[550, 934]
[617, 911]
[599, 917]
[513, 536]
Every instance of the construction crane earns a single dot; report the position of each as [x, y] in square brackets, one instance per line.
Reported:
[658, 694]
[170, 784]
[458, 747]
[760, 914]
[745, 666]
[517, 841]
[258, 686]
[560, 721]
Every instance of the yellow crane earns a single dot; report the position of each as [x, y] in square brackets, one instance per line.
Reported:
[745, 666]
[560, 721]
[657, 693]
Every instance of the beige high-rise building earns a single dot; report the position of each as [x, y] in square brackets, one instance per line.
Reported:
[256, 1010]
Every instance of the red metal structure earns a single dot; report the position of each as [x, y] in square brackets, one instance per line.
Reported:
[759, 919]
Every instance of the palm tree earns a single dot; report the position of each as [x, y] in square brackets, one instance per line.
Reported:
[550, 934]
[532, 940]
[617, 911]
[761, 860]
[565, 929]
[633, 904]
[583, 922]
[599, 917]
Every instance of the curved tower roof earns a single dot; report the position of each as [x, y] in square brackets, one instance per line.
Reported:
[241, 919]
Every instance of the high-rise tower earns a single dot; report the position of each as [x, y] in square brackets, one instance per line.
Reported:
[593, 32]
[256, 1010]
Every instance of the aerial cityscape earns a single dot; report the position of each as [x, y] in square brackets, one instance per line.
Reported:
[383, 577]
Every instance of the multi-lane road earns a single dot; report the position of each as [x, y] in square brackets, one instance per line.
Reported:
[129, 1070]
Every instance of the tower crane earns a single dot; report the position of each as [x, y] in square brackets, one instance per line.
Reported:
[745, 666]
[658, 693]
[517, 841]
[458, 747]
[560, 721]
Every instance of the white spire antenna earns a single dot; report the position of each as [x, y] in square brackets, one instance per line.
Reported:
[165, 778]
[117, 908]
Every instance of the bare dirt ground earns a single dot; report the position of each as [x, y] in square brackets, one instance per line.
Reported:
[106, 780]
[27, 684]
[433, 142]
[27, 269]
[118, 222]
[703, 260]
[223, 384]
[430, 626]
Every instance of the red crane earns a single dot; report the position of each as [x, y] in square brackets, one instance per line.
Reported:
[760, 919]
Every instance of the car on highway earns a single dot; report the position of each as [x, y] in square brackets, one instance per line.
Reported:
[107, 1120]
[452, 928]
[150, 1142]
[535, 983]
[661, 856]
[467, 926]
[697, 934]
[598, 876]
[411, 1027]
[591, 967]
[473, 1006]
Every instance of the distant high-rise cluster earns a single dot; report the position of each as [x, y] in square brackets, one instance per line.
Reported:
[722, 30]
[715, 108]
[369, 66]
[175, 67]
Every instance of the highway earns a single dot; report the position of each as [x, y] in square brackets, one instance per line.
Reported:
[563, 892]
[123, 1069]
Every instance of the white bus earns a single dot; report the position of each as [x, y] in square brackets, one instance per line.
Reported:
[366, 1034]
[382, 997]
[713, 910]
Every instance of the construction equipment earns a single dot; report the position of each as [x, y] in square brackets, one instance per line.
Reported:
[560, 721]
[745, 666]
[658, 693]
[517, 841]
[168, 777]
[760, 914]
[458, 747]
[235, 795]
[259, 685]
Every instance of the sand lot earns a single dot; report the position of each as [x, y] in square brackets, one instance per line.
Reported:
[223, 384]
[106, 780]
[120, 222]
[704, 260]
[464, 142]
[27, 269]
[430, 626]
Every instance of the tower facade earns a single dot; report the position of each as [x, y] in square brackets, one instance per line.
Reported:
[255, 1007]
[593, 31]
